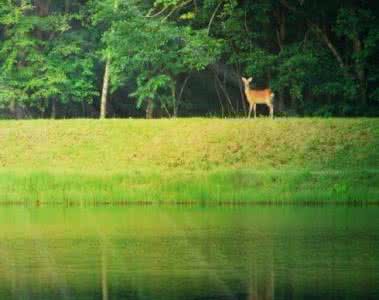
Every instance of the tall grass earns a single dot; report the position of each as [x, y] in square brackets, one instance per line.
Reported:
[225, 187]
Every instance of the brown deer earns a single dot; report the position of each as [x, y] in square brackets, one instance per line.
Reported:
[255, 97]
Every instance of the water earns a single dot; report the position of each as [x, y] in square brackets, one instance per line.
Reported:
[189, 253]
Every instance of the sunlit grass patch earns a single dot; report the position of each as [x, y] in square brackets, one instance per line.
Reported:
[189, 160]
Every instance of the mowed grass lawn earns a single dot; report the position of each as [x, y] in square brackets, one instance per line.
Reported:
[195, 160]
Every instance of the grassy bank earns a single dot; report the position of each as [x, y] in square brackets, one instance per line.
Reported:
[189, 160]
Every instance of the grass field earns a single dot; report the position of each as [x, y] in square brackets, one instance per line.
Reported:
[199, 161]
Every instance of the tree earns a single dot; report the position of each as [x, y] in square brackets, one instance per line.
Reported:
[186, 57]
[44, 58]
[161, 56]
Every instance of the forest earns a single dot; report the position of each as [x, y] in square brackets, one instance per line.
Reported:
[181, 58]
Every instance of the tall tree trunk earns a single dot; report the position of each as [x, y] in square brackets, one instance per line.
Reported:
[104, 93]
[220, 99]
[281, 31]
[174, 102]
[84, 109]
[150, 109]
[180, 95]
[53, 108]
[241, 91]
[360, 71]
[224, 91]
[281, 34]
[12, 108]
[281, 103]
[43, 7]
[16, 110]
[67, 6]
[293, 104]
[104, 273]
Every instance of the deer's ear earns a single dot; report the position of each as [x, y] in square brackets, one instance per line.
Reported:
[250, 79]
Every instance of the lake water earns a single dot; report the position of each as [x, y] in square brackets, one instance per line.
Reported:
[258, 252]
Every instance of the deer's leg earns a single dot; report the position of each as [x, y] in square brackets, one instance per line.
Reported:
[250, 109]
[255, 110]
[271, 106]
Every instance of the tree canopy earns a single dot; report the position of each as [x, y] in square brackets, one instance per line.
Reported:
[158, 58]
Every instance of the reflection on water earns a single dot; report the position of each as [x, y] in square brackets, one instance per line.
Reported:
[104, 270]
[173, 253]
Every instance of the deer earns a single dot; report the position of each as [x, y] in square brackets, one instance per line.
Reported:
[255, 97]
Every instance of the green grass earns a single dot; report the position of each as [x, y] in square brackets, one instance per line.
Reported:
[199, 161]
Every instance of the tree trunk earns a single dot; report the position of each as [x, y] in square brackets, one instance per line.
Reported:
[16, 111]
[241, 91]
[281, 34]
[175, 112]
[231, 108]
[281, 31]
[67, 6]
[12, 108]
[360, 71]
[104, 273]
[220, 99]
[281, 103]
[84, 109]
[150, 109]
[53, 108]
[293, 104]
[180, 96]
[104, 94]
[174, 103]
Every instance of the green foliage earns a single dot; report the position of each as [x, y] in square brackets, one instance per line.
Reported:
[319, 58]
[151, 87]
[43, 58]
[156, 53]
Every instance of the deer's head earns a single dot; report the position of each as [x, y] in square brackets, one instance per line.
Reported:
[247, 81]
